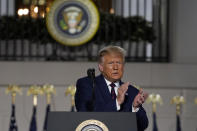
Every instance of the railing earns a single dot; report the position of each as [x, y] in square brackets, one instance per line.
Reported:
[31, 44]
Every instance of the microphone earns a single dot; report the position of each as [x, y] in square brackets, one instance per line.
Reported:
[91, 75]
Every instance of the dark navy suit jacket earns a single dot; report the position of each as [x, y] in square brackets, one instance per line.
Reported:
[103, 101]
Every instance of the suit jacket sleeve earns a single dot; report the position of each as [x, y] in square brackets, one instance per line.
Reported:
[142, 120]
[83, 95]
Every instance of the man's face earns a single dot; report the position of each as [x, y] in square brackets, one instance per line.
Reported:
[112, 67]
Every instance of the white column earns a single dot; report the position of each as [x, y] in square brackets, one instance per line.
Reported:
[11, 7]
[3, 7]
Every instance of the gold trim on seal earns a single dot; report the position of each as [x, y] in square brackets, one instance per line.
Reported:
[92, 122]
[82, 38]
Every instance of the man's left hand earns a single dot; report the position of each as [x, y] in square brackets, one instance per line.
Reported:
[140, 99]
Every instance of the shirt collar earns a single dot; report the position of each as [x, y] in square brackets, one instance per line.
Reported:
[109, 82]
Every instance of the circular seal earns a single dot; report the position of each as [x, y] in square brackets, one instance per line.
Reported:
[92, 125]
[72, 22]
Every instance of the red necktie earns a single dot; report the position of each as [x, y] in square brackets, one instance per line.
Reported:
[113, 94]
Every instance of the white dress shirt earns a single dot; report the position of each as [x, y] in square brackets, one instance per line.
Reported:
[116, 91]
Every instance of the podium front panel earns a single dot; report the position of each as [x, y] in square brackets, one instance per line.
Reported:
[69, 121]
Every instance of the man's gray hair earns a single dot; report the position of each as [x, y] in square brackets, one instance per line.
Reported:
[111, 50]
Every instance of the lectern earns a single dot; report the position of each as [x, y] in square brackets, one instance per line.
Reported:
[91, 121]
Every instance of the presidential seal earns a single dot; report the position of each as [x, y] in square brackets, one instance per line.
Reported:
[72, 22]
[92, 125]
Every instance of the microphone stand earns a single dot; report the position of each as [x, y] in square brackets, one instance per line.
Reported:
[91, 75]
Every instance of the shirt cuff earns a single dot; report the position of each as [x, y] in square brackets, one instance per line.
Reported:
[117, 105]
[135, 109]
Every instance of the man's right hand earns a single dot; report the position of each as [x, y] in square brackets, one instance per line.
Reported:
[121, 92]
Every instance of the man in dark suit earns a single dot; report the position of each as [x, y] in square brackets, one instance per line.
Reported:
[110, 93]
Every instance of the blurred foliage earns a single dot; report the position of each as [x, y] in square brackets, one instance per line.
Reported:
[112, 28]
[24, 28]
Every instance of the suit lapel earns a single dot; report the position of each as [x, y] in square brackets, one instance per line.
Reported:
[121, 82]
[103, 88]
